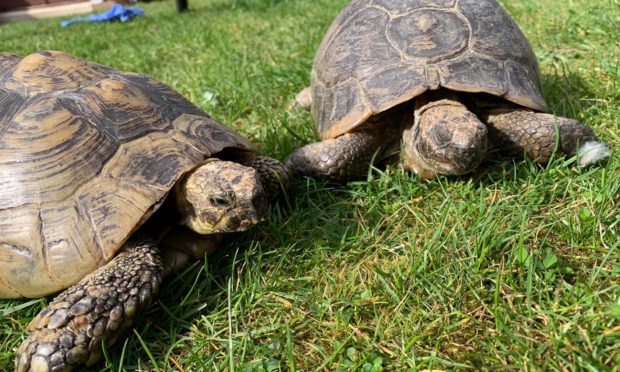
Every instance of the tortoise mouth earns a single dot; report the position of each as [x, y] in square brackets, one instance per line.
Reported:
[239, 219]
[450, 148]
[456, 160]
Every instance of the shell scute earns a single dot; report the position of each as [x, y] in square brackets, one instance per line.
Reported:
[352, 51]
[462, 74]
[428, 35]
[47, 72]
[383, 88]
[47, 152]
[21, 252]
[8, 62]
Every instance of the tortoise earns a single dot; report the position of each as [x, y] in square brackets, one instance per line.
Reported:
[446, 80]
[111, 181]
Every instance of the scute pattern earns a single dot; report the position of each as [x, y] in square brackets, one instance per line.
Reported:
[48, 72]
[412, 36]
[114, 104]
[21, 252]
[386, 86]
[494, 32]
[66, 234]
[11, 103]
[354, 49]
[7, 63]
[465, 45]
[463, 74]
[87, 153]
[67, 148]
[205, 135]
[162, 95]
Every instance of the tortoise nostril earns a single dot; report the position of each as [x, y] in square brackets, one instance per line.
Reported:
[441, 134]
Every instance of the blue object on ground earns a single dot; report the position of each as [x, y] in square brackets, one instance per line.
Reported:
[116, 13]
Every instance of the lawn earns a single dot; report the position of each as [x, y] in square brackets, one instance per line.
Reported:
[516, 266]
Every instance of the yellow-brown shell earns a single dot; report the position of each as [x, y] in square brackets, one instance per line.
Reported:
[87, 154]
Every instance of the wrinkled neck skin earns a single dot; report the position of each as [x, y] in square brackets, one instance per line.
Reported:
[483, 104]
[410, 159]
[388, 128]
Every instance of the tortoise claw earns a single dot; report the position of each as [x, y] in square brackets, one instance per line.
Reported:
[71, 330]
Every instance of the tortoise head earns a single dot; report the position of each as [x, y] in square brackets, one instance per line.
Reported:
[220, 197]
[448, 139]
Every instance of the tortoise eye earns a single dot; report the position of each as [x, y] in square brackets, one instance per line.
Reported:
[220, 201]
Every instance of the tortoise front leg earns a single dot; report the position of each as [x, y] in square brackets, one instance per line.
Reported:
[70, 331]
[273, 175]
[338, 160]
[519, 132]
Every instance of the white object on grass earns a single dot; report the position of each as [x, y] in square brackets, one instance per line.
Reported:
[592, 152]
[209, 97]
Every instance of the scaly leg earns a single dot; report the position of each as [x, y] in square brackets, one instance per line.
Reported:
[273, 175]
[519, 132]
[98, 310]
[338, 160]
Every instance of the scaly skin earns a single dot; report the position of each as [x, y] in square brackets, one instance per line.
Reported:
[273, 175]
[519, 132]
[98, 310]
[337, 160]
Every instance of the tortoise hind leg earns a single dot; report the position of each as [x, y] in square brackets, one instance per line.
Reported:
[538, 136]
[303, 99]
[337, 160]
[70, 331]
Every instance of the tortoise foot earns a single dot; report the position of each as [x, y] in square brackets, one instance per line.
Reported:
[71, 330]
[521, 132]
[274, 175]
[339, 160]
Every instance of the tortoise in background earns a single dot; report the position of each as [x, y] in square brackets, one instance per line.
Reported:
[448, 78]
[87, 155]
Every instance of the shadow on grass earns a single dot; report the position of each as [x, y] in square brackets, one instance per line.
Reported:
[566, 92]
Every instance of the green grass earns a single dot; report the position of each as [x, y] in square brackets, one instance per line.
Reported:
[513, 267]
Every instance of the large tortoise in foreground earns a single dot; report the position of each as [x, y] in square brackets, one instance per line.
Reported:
[87, 155]
[447, 77]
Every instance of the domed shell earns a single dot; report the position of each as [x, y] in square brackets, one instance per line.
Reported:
[87, 154]
[380, 53]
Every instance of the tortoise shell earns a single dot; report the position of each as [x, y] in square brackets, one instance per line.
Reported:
[380, 53]
[87, 154]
